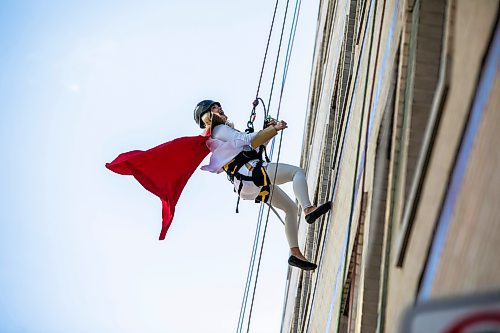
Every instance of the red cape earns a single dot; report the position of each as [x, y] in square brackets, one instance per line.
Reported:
[164, 170]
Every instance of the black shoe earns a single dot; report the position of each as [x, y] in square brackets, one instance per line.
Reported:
[323, 209]
[302, 264]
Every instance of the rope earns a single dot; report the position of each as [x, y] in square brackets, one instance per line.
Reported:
[250, 271]
[256, 101]
[250, 267]
[267, 48]
[289, 49]
[275, 172]
[262, 243]
[287, 61]
[261, 210]
[277, 57]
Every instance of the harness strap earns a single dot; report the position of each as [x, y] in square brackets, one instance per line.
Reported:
[239, 191]
[265, 189]
[263, 150]
[259, 175]
[263, 195]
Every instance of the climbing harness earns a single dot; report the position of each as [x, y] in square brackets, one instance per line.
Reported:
[254, 175]
[256, 178]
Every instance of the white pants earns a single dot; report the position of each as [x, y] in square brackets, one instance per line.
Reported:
[289, 173]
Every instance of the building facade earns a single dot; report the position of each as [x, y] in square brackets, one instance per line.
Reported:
[403, 135]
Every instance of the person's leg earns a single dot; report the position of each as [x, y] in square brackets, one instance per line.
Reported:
[282, 201]
[289, 173]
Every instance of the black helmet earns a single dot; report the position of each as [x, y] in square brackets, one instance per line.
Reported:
[202, 108]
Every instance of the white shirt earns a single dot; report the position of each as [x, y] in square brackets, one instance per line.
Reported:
[225, 143]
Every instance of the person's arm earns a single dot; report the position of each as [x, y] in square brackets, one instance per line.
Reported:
[264, 136]
[226, 133]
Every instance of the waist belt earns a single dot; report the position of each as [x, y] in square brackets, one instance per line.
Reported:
[259, 174]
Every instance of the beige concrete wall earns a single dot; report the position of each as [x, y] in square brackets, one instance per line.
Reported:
[471, 30]
[469, 261]
[330, 278]
[327, 302]
[314, 299]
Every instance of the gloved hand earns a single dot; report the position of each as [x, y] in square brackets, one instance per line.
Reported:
[280, 125]
[270, 121]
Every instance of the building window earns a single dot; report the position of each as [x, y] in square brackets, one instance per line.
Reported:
[420, 63]
[421, 94]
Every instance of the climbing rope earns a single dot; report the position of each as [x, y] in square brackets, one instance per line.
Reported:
[253, 114]
[250, 126]
[250, 129]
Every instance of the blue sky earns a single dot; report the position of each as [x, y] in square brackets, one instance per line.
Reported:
[82, 82]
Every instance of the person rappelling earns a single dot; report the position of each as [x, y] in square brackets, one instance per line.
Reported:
[240, 155]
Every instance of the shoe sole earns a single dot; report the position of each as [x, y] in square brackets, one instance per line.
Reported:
[320, 211]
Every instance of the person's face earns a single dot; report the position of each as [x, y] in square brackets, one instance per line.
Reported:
[218, 110]
[214, 109]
